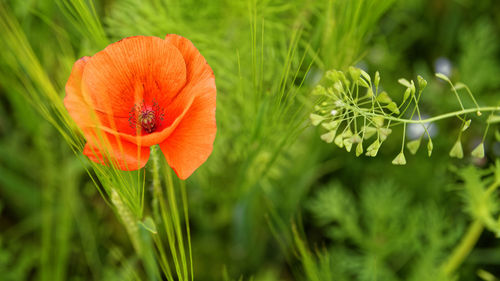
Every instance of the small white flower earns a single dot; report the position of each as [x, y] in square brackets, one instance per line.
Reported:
[334, 112]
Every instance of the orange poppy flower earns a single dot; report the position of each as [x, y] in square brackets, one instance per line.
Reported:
[142, 91]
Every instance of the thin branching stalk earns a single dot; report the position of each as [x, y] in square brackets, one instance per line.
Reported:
[341, 105]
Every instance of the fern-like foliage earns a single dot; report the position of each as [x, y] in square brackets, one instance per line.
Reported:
[370, 235]
[354, 110]
[481, 195]
[374, 237]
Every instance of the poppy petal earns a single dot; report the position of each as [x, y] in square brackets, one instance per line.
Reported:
[176, 106]
[174, 114]
[109, 148]
[131, 71]
[81, 112]
[126, 156]
[104, 90]
[73, 101]
[197, 68]
[191, 142]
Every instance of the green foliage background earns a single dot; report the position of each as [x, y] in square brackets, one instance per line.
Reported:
[273, 202]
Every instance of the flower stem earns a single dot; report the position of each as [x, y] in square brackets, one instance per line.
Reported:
[188, 231]
[163, 213]
[367, 112]
[176, 222]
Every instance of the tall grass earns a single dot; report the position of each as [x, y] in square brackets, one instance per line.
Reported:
[271, 203]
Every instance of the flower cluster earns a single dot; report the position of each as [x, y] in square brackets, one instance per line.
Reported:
[353, 109]
[343, 111]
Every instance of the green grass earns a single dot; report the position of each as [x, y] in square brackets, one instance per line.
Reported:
[273, 201]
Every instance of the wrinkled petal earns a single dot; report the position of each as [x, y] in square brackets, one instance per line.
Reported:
[82, 113]
[103, 89]
[105, 148]
[191, 142]
[131, 71]
[197, 68]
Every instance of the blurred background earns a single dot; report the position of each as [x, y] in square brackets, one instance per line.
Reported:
[271, 185]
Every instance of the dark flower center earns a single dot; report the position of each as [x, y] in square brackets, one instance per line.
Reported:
[146, 117]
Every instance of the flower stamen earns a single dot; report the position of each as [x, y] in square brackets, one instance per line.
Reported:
[145, 117]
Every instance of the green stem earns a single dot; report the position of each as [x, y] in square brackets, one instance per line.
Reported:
[404, 137]
[158, 197]
[155, 169]
[164, 213]
[464, 248]
[176, 222]
[128, 219]
[188, 231]
[367, 112]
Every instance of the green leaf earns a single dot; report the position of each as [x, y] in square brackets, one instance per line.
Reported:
[478, 152]
[422, 83]
[316, 119]
[378, 120]
[430, 147]
[460, 85]
[414, 145]
[400, 159]
[369, 92]
[393, 107]
[384, 98]
[339, 141]
[369, 132]
[359, 149]
[384, 133]
[404, 82]
[443, 77]
[332, 75]
[319, 91]
[363, 83]
[334, 204]
[457, 151]
[348, 144]
[481, 203]
[347, 133]
[377, 79]
[338, 87]
[355, 73]
[466, 125]
[372, 150]
[328, 137]
[497, 135]
[330, 125]
[356, 138]
[486, 276]
[406, 95]
[149, 225]
[365, 75]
